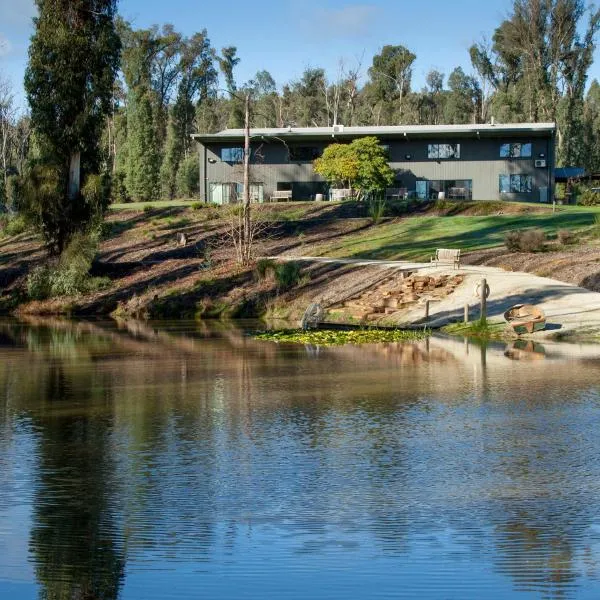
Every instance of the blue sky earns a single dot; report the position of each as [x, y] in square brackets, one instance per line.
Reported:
[286, 36]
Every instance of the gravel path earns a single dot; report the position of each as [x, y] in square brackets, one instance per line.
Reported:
[567, 306]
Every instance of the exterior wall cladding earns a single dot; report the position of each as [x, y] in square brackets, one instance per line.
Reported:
[480, 162]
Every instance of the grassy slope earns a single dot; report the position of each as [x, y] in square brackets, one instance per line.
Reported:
[181, 275]
[417, 238]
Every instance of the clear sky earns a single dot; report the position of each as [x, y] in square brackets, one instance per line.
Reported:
[286, 36]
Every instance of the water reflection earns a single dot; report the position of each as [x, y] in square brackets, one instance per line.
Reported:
[176, 457]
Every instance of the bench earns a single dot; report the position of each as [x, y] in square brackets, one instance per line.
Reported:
[447, 256]
[396, 193]
[281, 195]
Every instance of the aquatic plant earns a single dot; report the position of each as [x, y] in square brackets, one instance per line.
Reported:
[324, 337]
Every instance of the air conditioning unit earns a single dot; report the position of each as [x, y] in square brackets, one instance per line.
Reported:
[540, 162]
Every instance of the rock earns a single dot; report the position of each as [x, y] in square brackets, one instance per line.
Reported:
[181, 239]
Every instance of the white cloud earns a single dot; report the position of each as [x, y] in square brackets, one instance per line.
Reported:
[346, 22]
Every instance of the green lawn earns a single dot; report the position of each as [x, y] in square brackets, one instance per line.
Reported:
[155, 204]
[417, 238]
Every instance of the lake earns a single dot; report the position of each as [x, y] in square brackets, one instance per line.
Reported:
[188, 460]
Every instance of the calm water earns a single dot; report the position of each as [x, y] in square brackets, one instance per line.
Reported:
[181, 461]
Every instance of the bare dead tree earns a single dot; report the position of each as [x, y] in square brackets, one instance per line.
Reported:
[352, 90]
[341, 92]
[7, 125]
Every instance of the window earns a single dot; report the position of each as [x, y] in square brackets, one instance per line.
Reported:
[230, 193]
[455, 189]
[517, 150]
[304, 153]
[444, 151]
[515, 184]
[234, 154]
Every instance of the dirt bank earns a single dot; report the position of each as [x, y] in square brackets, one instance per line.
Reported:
[152, 276]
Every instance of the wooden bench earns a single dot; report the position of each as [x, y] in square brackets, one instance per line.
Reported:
[281, 195]
[396, 193]
[447, 256]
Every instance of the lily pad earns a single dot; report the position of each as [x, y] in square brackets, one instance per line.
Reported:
[324, 337]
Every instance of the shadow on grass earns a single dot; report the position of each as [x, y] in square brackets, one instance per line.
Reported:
[405, 241]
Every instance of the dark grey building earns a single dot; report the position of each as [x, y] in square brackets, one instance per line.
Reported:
[480, 162]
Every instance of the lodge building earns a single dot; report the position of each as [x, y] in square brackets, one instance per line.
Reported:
[479, 162]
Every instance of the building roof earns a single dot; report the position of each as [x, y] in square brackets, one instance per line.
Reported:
[389, 131]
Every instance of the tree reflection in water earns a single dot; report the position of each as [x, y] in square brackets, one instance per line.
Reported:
[75, 541]
[157, 445]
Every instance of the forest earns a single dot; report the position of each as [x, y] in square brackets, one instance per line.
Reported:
[533, 67]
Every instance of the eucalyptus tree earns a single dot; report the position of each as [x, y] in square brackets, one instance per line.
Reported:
[197, 78]
[227, 63]
[591, 129]
[463, 102]
[73, 61]
[391, 75]
[540, 57]
[307, 99]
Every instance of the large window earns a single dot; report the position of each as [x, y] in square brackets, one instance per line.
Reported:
[516, 184]
[234, 154]
[230, 193]
[455, 189]
[517, 150]
[304, 153]
[443, 151]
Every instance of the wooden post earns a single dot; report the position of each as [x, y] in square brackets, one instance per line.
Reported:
[427, 309]
[483, 311]
[466, 315]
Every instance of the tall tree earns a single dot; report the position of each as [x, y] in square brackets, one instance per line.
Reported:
[7, 127]
[543, 53]
[140, 49]
[591, 129]
[227, 63]
[464, 100]
[308, 99]
[197, 77]
[73, 62]
[391, 74]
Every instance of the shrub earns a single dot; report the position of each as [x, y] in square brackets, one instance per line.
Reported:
[560, 190]
[512, 240]
[12, 194]
[15, 225]
[38, 283]
[264, 267]
[566, 237]
[287, 274]
[376, 207]
[188, 176]
[96, 193]
[197, 205]
[588, 198]
[147, 209]
[71, 276]
[119, 192]
[525, 240]
[533, 240]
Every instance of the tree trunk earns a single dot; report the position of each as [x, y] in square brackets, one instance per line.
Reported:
[246, 235]
[74, 176]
